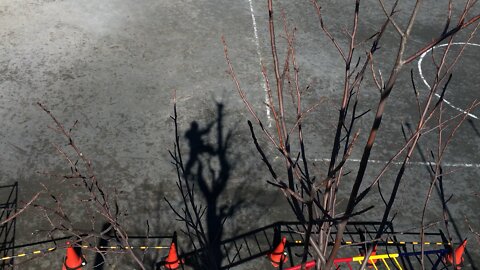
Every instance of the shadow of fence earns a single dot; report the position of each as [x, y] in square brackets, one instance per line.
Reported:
[401, 249]
[104, 245]
[262, 241]
[7, 230]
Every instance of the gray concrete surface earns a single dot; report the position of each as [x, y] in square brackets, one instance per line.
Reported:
[114, 64]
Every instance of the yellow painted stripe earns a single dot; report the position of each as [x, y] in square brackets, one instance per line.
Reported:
[6, 258]
[37, 252]
[21, 255]
[386, 264]
[426, 243]
[381, 256]
[397, 263]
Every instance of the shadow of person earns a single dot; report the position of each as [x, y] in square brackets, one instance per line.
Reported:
[196, 144]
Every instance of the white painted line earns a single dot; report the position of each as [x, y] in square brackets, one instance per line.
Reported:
[260, 60]
[415, 163]
[428, 85]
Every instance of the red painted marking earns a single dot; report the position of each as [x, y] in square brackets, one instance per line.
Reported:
[343, 260]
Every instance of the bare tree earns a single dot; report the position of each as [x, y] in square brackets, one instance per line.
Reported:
[100, 205]
[312, 198]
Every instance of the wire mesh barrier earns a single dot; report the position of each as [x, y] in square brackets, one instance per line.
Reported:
[260, 242]
[8, 207]
[282, 243]
[397, 251]
[239, 249]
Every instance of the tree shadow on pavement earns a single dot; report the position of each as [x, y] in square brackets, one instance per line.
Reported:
[474, 127]
[207, 171]
[99, 262]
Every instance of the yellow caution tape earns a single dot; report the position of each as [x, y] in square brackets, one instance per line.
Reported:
[348, 243]
[27, 253]
[166, 247]
[35, 252]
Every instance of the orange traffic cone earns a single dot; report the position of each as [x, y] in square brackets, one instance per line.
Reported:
[74, 259]
[172, 261]
[458, 253]
[278, 255]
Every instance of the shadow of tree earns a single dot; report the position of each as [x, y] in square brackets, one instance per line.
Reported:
[209, 169]
[474, 127]
[99, 262]
[212, 180]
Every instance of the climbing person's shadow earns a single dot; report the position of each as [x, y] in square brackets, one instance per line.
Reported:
[197, 146]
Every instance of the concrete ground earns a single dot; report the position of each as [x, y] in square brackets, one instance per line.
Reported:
[113, 66]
